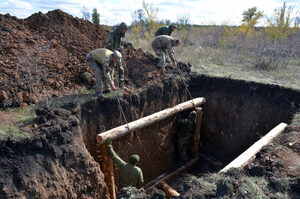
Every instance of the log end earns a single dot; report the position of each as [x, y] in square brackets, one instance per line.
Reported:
[99, 139]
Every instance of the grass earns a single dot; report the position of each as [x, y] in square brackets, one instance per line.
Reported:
[218, 60]
[12, 132]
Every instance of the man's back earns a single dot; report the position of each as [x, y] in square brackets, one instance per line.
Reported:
[163, 31]
[130, 175]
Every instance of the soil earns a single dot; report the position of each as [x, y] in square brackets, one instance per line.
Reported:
[44, 55]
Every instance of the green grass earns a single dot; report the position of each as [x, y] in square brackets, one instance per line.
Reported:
[13, 132]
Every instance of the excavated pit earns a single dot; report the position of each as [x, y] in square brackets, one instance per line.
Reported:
[236, 114]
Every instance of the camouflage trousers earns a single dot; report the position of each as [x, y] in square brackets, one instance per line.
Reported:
[182, 147]
[100, 76]
[161, 55]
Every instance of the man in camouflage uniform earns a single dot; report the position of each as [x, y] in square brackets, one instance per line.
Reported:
[165, 30]
[184, 132]
[130, 174]
[164, 44]
[103, 63]
[114, 41]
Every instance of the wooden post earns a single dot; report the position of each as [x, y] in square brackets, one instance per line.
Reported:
[169, 191]
[146, 121]
[244, 158]
[197, 131]
[108, 170]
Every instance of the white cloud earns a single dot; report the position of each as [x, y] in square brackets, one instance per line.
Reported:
[116, 11]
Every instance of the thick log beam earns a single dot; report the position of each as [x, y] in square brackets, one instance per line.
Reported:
[108, 170]
[197, 132]
[148, 120]
[245, 157]
[169, 191]
[164, 177]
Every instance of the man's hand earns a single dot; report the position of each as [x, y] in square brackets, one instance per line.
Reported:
[113, 88]
[108, 142]
[175, 63]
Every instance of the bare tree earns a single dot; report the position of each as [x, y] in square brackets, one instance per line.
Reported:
[85, 13]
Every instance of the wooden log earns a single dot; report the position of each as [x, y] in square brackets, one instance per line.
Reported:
[148, 120]
[244, 158]
[169, 191]
[197, 132]
[108, 170]
[150, 185]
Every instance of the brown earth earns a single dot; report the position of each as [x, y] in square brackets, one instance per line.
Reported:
[45, 54]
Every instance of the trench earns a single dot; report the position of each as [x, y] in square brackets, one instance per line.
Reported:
[236, 114]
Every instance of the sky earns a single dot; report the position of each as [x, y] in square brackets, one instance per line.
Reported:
[202, 12]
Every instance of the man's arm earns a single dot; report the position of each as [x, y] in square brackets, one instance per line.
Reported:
[113, 154]
[171, 54]
[140, 180]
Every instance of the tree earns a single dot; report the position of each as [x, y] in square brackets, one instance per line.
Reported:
[85, 13]
[95, 17]
[251, 17]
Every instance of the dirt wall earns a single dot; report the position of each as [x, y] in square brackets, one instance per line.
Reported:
[154, 144]
[238, 113]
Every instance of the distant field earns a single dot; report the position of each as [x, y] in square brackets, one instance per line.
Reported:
[219, 51]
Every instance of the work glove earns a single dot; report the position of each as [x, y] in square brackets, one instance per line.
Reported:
[108, 142]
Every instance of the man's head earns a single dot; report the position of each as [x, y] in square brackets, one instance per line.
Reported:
[173, 26]
[176, 42]
[134, 159]
[123, 28]
[116, 56]
[193, 115]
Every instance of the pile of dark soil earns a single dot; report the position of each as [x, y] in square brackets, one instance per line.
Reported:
[45, 54]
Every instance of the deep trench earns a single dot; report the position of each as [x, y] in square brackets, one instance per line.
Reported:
[236, 114]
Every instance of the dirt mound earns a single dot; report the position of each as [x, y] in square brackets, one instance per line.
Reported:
[45, 54]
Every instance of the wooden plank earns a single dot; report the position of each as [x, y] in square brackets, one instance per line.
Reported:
[245, 157]
[148, 120]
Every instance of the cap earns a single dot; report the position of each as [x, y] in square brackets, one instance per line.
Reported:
[123, 25]
[173, 25]
[134, 159]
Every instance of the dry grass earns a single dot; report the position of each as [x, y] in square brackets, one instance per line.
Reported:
[219, 51]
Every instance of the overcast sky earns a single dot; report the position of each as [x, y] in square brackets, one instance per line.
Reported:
[115, 11]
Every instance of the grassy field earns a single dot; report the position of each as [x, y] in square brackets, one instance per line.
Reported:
[213, 51]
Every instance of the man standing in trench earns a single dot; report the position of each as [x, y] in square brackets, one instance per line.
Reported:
[130, 174]
[184, 132]
[103, 62]
[162, 45]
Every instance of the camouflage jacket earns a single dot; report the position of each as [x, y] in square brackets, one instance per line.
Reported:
[165, 30]
[165, 43]
[130, 175]
[185, 128]
[102, 56]
[114, 39]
